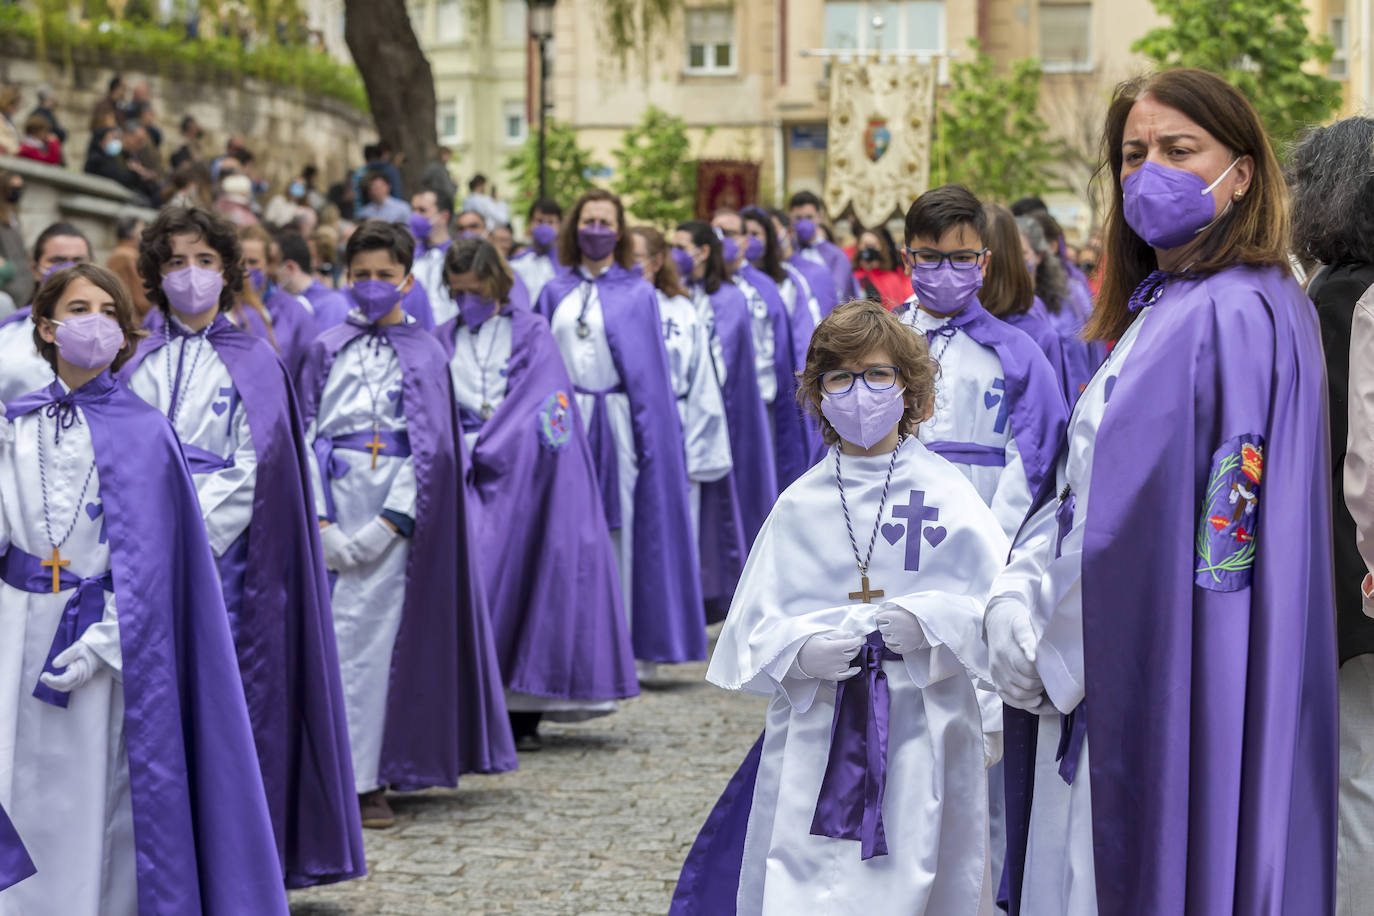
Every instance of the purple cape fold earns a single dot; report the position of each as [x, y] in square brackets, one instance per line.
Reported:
[293, 326]
[791, 445]
[1035, 325]
[1035, 400]
[15, 864]
[416, 304]
[445, 709]
[821, 281]
[331, 306]
[709, 882]
[285, 631]
[519, 295]
[16, 315]
[841, 270]
[201, 825]
[1213, 732]
[666, 620]
[546, 560]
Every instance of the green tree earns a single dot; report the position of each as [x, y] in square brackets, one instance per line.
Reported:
[569, 168]
[1260, 47]
[990, 135]
[655, 171]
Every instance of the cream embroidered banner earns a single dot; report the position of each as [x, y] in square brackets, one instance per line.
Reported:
[881, 117]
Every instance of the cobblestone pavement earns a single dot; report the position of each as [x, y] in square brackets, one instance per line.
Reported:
[597, 822]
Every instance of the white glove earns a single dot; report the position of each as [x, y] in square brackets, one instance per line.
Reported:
[1011, 653]
[80, 665]
[371, 541]
[337, 548]
[901, 631]
[826, 656]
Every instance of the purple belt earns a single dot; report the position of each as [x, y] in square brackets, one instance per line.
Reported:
[86, 606]
[204, 462]
[850, 803]
[470, 420]
[602, 441]
[988, 456]
[396, 445]
[1072, 729]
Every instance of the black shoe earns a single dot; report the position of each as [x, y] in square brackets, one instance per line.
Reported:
[527, 744]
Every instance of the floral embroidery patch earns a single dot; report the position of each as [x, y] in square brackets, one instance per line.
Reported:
[1230, 516]
[555, 422]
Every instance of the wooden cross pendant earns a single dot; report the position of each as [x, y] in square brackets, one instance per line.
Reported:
[864, 594]
[56, 563]
[375, 446]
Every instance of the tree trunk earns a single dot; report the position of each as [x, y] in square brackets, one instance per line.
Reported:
[400, 86]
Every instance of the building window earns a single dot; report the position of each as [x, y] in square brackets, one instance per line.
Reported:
[1339, 67]
[513, 14]
[447, 121]
[906, 25]
[513, 123]
[710, 40]
[1066, 36]
[450, 25]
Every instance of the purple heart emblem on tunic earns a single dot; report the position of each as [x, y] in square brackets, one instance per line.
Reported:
[935, 536]
[893, 533]
[394, 393]
[94, 510]
[991, 400]
[1107, 388]
[219, 407]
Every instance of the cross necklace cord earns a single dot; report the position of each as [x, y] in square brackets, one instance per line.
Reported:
[55, 562]
[483, 364]
[175, 385]
[865, 593]
[374, 394]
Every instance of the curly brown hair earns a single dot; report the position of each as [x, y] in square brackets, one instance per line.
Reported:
[847, 335]
[155, 249]
[50, 294]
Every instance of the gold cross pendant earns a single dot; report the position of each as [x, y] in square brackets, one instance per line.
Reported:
[375, 446]
[864, 594]
[56, 563]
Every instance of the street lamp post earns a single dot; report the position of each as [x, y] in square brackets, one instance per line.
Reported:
[541, 31]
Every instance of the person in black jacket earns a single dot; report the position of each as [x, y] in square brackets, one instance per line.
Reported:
[106, 158]
[1331, 176]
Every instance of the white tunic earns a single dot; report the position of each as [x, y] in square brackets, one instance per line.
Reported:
[1059, 857]
[761, 331]
[706, 314]
[209, 415]
[796, 290]
[479, 367]
[535, 270]
[21, 368]
[970, 407]
[936, 556]
[700, 405]
[428, 271]
[362, 393]
[64, 773]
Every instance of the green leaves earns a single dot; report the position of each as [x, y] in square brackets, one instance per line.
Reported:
[990, 135]
[1260, 47]
[569, 168]
[655, 172]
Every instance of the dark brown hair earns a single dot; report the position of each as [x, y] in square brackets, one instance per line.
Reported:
[1253, 231]
[570, 254]
[480, 257]
[379, 235]
[851, 332]
[155, 249]
[50, 293]
[1007, 288]
[666, 280]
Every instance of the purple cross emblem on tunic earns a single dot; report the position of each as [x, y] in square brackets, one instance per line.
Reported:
[917, 513]
[997, 398]
[670, 329]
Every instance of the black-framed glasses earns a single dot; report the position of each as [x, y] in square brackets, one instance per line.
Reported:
[875, 378]
[930, 259]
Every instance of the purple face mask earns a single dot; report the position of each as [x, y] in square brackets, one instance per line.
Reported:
[863, 417]
[1169, 207]
[543, 236]
[683, 262]
[754, 249]
[193, 290]
[54, 268]
[420, 226]
[806, 231]
[945, 290]
[729, 250]
[89, 341]
[596, 242]
[474, 309]
[375, 298]
[258, 279]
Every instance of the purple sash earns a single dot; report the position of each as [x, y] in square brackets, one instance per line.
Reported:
[602, 441]
[988, 456]
[203, 461]
[396, 444]
[850, 803]
[86, 606]
[1072, 729]
[15, 864]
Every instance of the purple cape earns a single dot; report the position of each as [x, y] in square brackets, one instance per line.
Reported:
[16, 315]
[709, 882]
[519, 295]
[822, 283]
[546, 558]
[667, 587]
[841, 269]
[293, 326]
[285, 632]
[1035, 325]
[1035, 401]
[15, 864]
[416, 304]
[445, 710]
[201, 825]
[331, 306]
[791, 446]
[1214, 745]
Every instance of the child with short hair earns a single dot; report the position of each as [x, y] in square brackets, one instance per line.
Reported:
[860, 614]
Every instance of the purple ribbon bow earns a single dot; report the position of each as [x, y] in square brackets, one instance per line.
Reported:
[63, 410]
[1149, 290]
[850, 803]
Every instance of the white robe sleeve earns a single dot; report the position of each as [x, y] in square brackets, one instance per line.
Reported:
[1013, 496]
[1030, 556]
[706, 433]
[316, 480]
[226, 495]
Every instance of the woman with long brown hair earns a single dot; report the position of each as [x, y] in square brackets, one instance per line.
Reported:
[1190, 604]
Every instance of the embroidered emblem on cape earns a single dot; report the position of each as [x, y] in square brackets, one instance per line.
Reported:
[555, 422]
[1230, 516]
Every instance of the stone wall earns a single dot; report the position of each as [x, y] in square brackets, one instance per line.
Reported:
[285, 127]
[90, 203]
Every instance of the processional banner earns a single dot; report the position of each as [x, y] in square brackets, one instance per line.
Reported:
[881, 118]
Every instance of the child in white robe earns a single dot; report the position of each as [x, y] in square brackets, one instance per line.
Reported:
[863, 589]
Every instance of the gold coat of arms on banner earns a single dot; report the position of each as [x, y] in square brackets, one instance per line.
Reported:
[881, 117]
